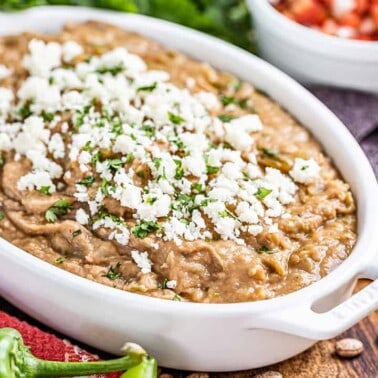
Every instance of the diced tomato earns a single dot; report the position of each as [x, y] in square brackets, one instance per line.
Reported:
[309, 12]
[351, 19]
[374, 13]
[362, 6]
[329, 26]
[359, 22]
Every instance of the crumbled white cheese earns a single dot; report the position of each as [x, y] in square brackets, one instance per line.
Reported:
[81, 216]
[71, 50]
[305, 171]
[42, 58]
[142, 261]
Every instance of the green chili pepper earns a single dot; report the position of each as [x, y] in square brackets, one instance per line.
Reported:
[16, 361]
[146, 369]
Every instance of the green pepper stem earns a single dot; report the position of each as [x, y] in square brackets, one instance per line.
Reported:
[146, 369]
[16, 361]
[36, 368]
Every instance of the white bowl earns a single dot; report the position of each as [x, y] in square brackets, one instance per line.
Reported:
[311, 56]
[207, 337]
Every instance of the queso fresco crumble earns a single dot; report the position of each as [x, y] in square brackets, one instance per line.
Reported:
[127, 154]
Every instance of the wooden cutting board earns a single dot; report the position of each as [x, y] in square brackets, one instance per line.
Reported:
[320, 361]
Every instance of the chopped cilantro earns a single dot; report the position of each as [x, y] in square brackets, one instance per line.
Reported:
[175, 118]
[176, 298]
[117, 127]
[228, 100]
[269, 152]
[304, 167]
[151, 200]
[87, 181]
[24, 111]
[143, 228]
[45, 190]
[262, 192]
[112, 70]
[59, 208]
[47, 117]
[178, 143]
[267, 250]
[60, 260]
[2, 215]
[211, 169]
[244, 103]
[114, 272]
[149, 130]
[197, 186]
[156, 162]
[179, 174]
[87, 146]
[1, 160]
[237, 84]
[115, 164]
[96, 157]
[141, 174]
[76, 233]
[148, 88]
[129, 158]
[226, 117]
[164, 284]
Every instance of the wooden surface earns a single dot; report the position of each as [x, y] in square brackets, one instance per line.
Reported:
[318, 362]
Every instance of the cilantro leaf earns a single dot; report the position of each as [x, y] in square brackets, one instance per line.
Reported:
[175, 118]
[59, 208]
[262, 192]
[143, 228]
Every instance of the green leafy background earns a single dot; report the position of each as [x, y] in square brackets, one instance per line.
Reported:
[226, 19]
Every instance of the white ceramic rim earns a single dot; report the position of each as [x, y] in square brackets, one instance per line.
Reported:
[349, 269]
[312, 39]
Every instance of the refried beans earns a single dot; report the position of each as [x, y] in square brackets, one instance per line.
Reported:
[134, 166]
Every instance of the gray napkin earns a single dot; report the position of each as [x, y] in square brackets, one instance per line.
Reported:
[359, 112]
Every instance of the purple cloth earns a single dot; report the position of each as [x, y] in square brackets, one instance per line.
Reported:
[359, 112]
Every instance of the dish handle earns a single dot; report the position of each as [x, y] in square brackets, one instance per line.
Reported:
[303, 321]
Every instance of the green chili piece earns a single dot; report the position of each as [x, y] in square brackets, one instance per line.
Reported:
[146, 369]
[16, 361]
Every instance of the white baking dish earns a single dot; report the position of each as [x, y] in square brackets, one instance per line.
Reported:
[311, 56]
[203, 336]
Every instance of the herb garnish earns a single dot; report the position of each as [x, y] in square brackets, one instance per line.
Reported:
[2, 215]
[149, 130]
[87, 181]
[268, 152]
[24, 111]
[60, 260]
[179, 174]
[267, 250]
[47, 117]
[112, 70]
[177, 298]
[143, 228]
[211, 169]
[114, 272]
[45, 190]
[148, 88]
[226, 117]
[58, 209]
[115, 164]
[263, 192]
[175, 118]
[76, 233]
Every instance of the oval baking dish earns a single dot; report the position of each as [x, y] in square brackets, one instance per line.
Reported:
[208, 337]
